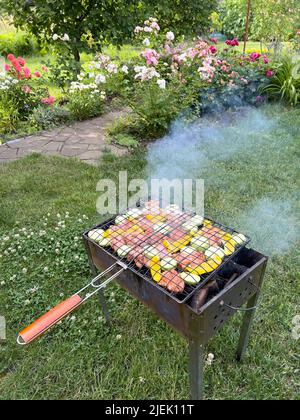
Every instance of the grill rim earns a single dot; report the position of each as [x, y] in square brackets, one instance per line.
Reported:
[201, 285]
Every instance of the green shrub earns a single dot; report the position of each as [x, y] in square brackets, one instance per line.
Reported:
[286, 82]
[85, 103]
[46, 118]
[19, 44]
[9, 116]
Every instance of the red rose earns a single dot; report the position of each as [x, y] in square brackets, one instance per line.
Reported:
[11, 57]
[37, 74]
[269, 73]
[212, 49]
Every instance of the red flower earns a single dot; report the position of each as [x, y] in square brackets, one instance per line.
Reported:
[255, 56]
[7, 68]
[214, 40]
[212, 49]
[269, 73]
[233, 42]
[11, 57]
[45, 69]
[298, 32]
[37, 74]
[16, 65]
[21, 61]
[48, 101]
[27, 73]
[266, 60]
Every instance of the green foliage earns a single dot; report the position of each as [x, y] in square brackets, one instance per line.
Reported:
[85, 104]
[18, 43]
[46, 118]
[91, 24]
[270, 20]
[286, 82]
[125, 140]
[9, 115]
[63, 70]
[216, 23]
[156, 108]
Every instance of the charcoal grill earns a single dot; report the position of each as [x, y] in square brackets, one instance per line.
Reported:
[238, 280]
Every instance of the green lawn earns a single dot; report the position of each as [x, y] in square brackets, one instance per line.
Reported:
[82, 358]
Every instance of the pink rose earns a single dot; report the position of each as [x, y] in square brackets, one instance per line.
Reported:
[21, 61]
[45, 69]
[266, 60]
[27, 73]
[37, 74]
[26, 89]
[269, 73]
[48, 101]
[214, 40]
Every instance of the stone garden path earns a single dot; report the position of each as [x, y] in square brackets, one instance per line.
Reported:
[82, 140]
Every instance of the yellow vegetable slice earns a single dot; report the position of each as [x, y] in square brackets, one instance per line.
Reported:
[181, 243]
[156, 218]
[155, 269]
[207, 267]
[229, 248]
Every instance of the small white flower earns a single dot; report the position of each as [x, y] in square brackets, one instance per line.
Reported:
[55, 37]
[73, 318]
[2, 283]
[125, 69]
[142, 380]
[24, 271]
[162, 83]
[65, 38]
[119, 337]
[210, 359]
[46, 269]
[170, 36]
[147, 42]
[27, 302]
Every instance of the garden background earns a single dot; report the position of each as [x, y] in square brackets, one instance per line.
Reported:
[187, 87]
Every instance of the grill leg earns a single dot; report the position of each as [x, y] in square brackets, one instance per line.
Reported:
[196, 369]
[246, 328]
[249, 318]
[101, 296]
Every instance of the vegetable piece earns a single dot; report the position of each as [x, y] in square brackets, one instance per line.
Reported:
[197, 220]
[155, 269]
[200, 243]
[191, 279]
[124, 250]
[229, 248]
[151, 251]
[96, 234]
[162, 228]
[104, 242]
[239, 239]
[213, 252]
[156, 218]
[120, 219]
[179, 244]
[206, 268]
[133, 214]
[168, 263]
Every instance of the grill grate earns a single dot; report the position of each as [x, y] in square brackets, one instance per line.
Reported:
[165, 247]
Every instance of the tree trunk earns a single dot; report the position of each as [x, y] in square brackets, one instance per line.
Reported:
[247, 24]
[76, 54]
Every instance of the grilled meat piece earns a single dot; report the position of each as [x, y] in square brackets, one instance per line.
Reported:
[172, 282]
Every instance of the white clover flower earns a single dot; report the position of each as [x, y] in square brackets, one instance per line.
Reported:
[112, 68]
[119, 337]
[142, 380]
[27, 302]
[46, 269]
[162, 83]
[210, 359]
[170, 36]
[73, 318]
[55, 37]
[24, 271]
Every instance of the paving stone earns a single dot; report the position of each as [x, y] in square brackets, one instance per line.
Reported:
[84, 140]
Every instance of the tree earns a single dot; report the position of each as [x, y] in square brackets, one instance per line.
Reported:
[92, 23]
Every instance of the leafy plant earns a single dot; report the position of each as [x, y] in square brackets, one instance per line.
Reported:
[46, 118]
[125, 140]
[19, 43]
[286, 82]
[85, 103]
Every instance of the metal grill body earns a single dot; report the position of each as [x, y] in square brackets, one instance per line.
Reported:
[197, 327]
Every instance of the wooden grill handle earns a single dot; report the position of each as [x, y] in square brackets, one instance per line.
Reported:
[48, 320]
